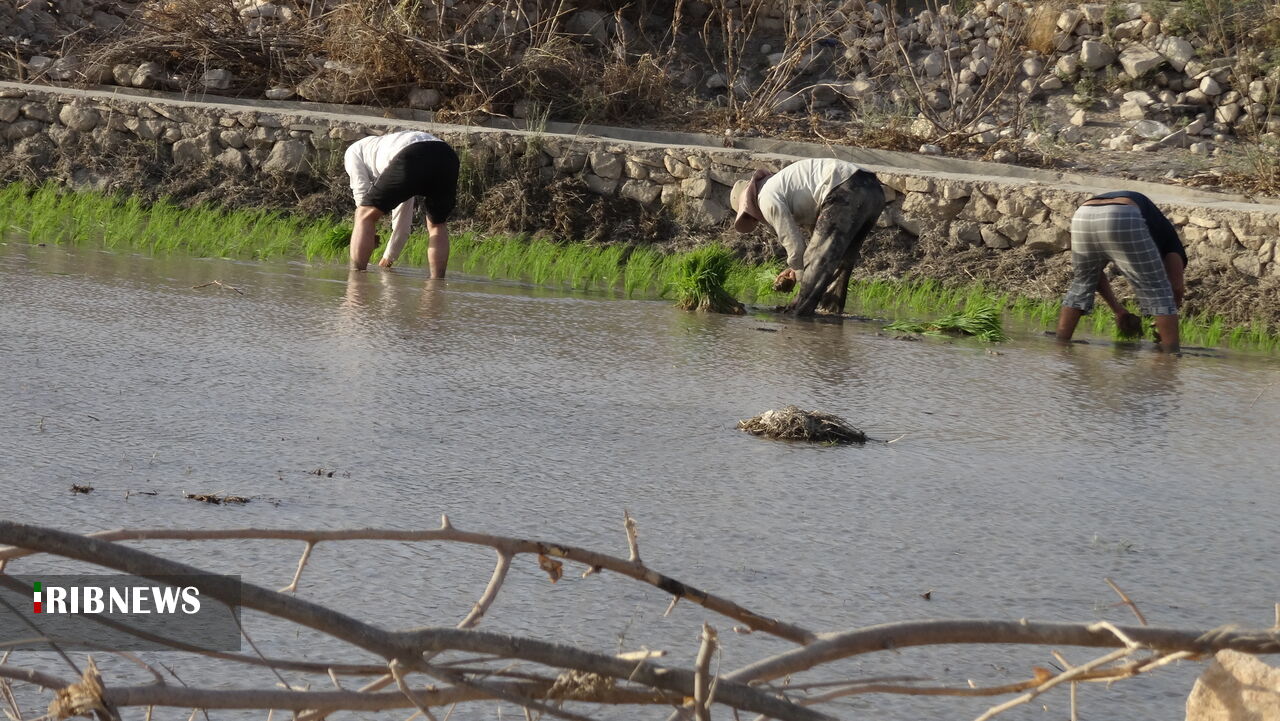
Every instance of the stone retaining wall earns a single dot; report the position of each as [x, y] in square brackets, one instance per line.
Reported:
[957, 210]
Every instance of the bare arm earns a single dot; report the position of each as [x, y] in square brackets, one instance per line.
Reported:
[1174, 269]
[1109, 294]
[401, 220]
[790, 234]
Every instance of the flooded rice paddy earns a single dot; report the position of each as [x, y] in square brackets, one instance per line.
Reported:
[1022, 475]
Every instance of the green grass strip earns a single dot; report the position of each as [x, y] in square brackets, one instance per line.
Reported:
[51, 214]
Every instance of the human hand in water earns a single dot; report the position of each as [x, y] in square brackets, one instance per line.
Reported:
[785, 281]
[385, 262]
[1129, 325]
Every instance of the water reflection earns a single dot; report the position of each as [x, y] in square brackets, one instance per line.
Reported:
[1126, 379]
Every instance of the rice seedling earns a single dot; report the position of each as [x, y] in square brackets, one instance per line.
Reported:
[50, 214]
[643, 268]
[980, 321]
[698, 281]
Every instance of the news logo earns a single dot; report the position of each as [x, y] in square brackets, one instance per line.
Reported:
[121, 612]
[131, 600]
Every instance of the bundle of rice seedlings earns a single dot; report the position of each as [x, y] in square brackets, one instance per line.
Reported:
[795, 424]
[698, 281]
[980, 321]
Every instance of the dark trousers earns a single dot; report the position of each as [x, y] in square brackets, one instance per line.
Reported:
[846, 217]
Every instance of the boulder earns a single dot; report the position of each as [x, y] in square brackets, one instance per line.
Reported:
[1138, 60]
[641, 191]
[706, 213]
[424, 98]
[1150, 129]
[79, 118]
[992, 238]
[1178, 52]
[1130, 110]
[1095, 55]
[194, 151]
[233, 160]
[606, 164]
[146, 75]
[288, 157]
[933, 64]
[217, 79]
[599, 185]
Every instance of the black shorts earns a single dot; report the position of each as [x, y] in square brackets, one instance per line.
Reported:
[429, 169]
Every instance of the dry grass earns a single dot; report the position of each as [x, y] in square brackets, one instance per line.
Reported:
[794, 424]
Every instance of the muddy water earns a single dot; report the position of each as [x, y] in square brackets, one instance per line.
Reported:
[1019, 481]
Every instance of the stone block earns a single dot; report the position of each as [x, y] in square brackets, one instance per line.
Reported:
[1138, 60]
[705, 214]
[636, 170]
[571, 162]
[288, 157]
[424, 98]
[1048, 240]
[9, 110]
[600, 185]
[993, 239]
[1015, 229]
[37, 111]
[678, 168]
[641, 191]
[981, 209]
[697, 187]
[1095, 55]
[606, 164]
[233, 160]
[193, 151]
[966, 232]
[78, 117]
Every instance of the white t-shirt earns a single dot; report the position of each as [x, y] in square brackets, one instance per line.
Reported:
[790, 199]
[366, 160]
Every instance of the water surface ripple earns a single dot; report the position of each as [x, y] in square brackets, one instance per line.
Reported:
[1019, 481]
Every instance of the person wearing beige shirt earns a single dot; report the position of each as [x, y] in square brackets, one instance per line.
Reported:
[387, 172]
[822, 209]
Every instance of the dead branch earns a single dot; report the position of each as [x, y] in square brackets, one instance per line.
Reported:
[831, 647]
[407, 646]
[511, 546]
[1124, 597]
[702, 682]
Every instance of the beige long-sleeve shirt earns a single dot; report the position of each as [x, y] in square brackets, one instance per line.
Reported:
[366, 160]
[790, 199]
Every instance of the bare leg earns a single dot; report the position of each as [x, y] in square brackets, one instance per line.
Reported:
[437, 248]
[1067, 321]
[364, 237]
[1167, 327]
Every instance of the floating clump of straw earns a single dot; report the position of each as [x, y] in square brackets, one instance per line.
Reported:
[795, 424]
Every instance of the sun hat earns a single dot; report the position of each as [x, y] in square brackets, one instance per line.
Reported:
[743, 201]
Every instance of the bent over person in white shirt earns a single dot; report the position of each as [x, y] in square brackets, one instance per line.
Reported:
[835, 200]
[387, 172]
